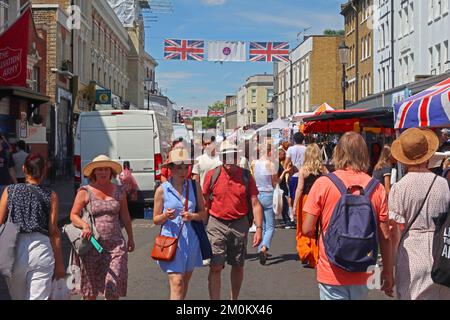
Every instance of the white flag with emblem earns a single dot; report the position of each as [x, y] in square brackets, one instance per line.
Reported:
[226, 51]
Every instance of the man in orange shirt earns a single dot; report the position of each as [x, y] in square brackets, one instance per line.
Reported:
[228, 223]
[351, 160]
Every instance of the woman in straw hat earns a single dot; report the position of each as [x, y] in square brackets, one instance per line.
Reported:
[104, 273]
[171, 214]
[407, 199]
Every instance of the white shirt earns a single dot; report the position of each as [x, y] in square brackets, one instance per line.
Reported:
[296, 154]
[205, 163]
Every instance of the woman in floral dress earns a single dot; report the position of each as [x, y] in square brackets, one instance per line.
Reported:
[103, 273]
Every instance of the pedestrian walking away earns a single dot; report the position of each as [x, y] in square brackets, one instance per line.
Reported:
[7, 171]
[229, 201]
[19, 160]
[342, 275]
[38, 254]
[312, 169]
[103, 273]
[266, 179]
[415, 201]
[283, 175]
[175, 209]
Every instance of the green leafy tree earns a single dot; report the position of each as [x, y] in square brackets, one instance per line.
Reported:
[217, 106]
[330, 32]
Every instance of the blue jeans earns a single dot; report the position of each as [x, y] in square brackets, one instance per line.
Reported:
[266, 200]
[329, 292]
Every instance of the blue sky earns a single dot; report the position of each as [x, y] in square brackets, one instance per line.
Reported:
[198, 84]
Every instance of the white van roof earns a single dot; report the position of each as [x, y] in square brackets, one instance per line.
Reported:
[108, 112]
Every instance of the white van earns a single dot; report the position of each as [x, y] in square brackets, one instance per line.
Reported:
[138, 136]
[180, 130]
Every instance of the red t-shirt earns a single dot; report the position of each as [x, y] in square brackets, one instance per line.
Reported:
[321, 202]
[230, 194]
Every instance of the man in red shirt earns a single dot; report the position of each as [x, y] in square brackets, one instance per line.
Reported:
[228, 223]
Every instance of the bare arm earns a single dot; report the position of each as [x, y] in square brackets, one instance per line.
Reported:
[387, 184]
[4, 206]
[126, 220]
[55, 238]
[81, 200]
[160, 217]
[299, 191]
[386, 255]
[309, 225]
[258, 219]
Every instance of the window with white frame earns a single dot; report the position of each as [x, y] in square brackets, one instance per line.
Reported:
[430, 10]
[445, 6]
[438, 58]
[411, 67]
[446, 56]
[411, 17]
[405, 69]
[437, 8]
[383, 37]
[430, 59]
[400, 73]
[4, 5]
[369, 46]
[253, 95]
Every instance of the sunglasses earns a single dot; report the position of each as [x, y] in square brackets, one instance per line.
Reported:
[181, 167]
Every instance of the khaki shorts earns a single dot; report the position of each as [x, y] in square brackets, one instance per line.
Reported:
[228, 240]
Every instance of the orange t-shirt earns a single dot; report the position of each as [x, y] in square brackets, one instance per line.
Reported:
[321, 202]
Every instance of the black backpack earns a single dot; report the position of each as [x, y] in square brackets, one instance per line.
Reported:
[245, 177]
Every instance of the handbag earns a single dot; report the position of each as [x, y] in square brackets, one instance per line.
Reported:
[8, 240]
[165, 248]
[440, 272]
[82, 245]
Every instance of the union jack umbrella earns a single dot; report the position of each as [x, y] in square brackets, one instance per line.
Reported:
[184, 50]
[269, 51]
[430, 108]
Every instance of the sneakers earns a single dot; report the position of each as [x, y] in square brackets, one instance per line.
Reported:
[291, 225]
[262, 258]
[252, 229]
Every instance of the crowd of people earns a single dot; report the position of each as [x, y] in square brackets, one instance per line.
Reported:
[346, 220]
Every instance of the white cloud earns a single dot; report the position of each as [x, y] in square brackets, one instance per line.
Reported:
[213, 2]
[174, 75]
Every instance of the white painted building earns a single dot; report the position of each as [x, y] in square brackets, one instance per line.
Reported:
[301, 60]
[421, 41]
[242, 109]
[382, 36]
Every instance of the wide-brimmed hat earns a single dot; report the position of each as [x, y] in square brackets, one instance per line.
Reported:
[415, 146]
[179, 156]
[102, 161]
[228, 147]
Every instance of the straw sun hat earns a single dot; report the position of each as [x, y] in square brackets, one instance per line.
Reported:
[102, 161]
[179, 156]
[228, 147]
[415, 146]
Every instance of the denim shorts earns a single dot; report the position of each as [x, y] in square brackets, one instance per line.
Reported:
[356, 292]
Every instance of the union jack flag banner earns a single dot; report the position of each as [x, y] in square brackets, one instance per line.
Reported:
[430, 108]
[184, 50]
[269, 51]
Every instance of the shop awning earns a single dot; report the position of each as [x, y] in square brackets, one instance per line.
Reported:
[429, 108]
[338, 121]
[24, 93]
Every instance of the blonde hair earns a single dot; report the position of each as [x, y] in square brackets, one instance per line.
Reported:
[313, 160]
[351, 152]
[385, 158]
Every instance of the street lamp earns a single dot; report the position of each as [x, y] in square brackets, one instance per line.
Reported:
[344, 53]
[148, 85]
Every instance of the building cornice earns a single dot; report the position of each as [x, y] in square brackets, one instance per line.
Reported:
[110, 18]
